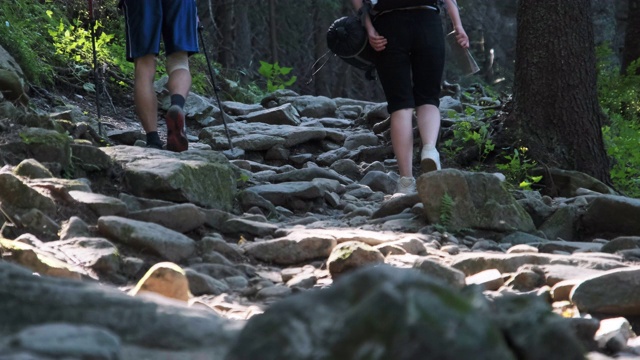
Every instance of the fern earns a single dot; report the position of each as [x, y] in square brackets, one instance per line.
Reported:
[446, 210]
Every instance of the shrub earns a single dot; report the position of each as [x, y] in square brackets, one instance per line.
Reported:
[619, 96]
[23, 26]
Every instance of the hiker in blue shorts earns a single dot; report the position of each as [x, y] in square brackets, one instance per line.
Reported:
[409, 40]
[176, 21]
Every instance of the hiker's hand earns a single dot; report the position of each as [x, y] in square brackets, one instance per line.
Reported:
[378, 42]
[462, 38]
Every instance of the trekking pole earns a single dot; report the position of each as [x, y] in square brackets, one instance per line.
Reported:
[96, 82]
[213, 83]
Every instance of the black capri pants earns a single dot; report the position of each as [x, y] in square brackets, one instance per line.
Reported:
[410, 67]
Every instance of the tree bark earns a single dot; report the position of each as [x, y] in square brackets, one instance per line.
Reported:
[273, 30]
[631, 50]
[206, 12]
[557, 114]
[243, 35]
[320, 48]
[226, 38]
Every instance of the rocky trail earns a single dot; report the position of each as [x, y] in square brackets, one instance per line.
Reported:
[294, 248]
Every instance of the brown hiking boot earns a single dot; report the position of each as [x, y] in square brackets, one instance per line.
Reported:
[176, 137]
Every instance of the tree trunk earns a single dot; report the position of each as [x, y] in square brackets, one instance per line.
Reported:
[243, 35]
[206, 10]
[226, 37]
[320, 79]
[557, 114]
[631, 50]
[273, 30]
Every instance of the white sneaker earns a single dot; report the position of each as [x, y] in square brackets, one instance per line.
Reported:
[406, 185]
[430, 159]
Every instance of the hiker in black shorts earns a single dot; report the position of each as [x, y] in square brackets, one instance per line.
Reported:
[409, 38]
[176, 21]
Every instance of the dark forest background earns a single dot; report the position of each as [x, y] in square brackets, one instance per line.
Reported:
[293, 33]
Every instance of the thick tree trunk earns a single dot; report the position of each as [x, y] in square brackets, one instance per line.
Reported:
[557, 114]
[631, 50]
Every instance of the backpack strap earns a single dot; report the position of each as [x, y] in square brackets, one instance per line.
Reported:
[365, 9]
[384, 6]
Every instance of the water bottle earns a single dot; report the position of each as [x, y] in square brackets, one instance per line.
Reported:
[461, 57]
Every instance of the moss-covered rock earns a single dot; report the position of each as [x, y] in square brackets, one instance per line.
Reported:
[47, 146]
[204, 178]
[462, 199]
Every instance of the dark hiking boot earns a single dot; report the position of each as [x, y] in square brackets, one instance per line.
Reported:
[154, 146]
[176, 137]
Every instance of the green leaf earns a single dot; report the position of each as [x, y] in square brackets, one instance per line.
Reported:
[89, 87]
[285, 70]
[291, 81]
[525, 185]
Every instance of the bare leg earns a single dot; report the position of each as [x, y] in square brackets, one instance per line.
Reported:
[179, 82]
[178, 85]
[428, 124]
[144, 95]
[402, 140]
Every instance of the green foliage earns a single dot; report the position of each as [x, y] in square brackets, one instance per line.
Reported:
[465, 133]
[517, 167]
[74, 42]
[622, 140]
[619, 96]
[200, 82]
[244, 178]
[446, 216]
[21, 34]
[446, 210]
[41, 39]
[74, 45]
[250, 93]
[618, 93]
[276, 76]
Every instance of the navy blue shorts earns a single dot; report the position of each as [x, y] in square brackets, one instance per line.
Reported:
[147, 20]
[410, 67]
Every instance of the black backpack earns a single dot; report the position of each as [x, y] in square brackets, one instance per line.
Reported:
[348, 39]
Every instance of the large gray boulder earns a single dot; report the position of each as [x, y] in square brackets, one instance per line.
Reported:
[461, 199]
[20, 197]
[50, 147]
[12, 82]
[610, 214]
[29, 300]
[388, 313]
[204, 178]
[615, 292]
